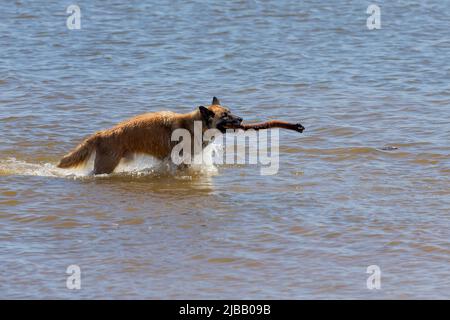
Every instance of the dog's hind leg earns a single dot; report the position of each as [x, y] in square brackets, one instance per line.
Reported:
[106, 160]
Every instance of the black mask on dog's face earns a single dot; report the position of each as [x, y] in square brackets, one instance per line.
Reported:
[219, 117]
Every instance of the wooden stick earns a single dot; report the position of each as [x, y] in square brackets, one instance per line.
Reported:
[269, 124]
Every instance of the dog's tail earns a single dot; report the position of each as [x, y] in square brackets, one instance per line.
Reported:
[80, 154]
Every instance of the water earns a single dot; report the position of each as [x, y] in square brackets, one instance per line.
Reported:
[367, 183]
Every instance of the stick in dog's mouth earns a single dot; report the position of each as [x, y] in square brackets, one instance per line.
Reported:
[267, 125]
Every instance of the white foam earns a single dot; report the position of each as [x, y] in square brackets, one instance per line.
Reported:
[139, 164]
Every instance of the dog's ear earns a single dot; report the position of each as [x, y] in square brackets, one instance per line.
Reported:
[215, 101]
[206, 113]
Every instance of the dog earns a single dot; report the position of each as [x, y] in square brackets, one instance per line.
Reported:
[148, 133]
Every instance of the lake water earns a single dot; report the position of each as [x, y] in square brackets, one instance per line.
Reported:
[366, 184]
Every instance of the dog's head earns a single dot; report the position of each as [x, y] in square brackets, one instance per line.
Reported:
[218, 117]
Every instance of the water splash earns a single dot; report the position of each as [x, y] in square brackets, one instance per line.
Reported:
[138, 165]
[12, 166]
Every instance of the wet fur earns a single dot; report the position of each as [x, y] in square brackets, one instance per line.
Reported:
[148, 133]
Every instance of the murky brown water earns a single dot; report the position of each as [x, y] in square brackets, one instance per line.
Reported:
[343, 199]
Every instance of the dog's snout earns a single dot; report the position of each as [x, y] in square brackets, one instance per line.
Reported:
[235, 119]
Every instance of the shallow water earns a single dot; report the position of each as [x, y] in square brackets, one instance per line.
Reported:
[367, 183]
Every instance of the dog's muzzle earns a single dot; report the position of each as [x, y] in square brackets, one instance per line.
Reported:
[229, 124]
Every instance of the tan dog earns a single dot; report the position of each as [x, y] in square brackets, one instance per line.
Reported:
[149, 133]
